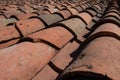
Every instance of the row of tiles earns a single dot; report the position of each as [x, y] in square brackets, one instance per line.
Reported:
[28, 23]
[41, 2]
[86, 66]
[55, 43]
[27, 8]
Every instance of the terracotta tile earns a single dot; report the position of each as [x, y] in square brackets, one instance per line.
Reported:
[94, 61]
[86, 66]
[8, 33]
[69, 6]
[49, 6]
[2, 17]
[50, 19]
[36, 12]
[29, 26]
[84, 7]
[102, 6]
[56, 10]
[77, 26]
[9, 9]
[63, 4]
[13, 6]
[8, 43]
[59, 39]
[65, 13]
[79, 8]
[23, 16]
[67, 3]
[113, 14]
[52, 2]
[46, 11]
[73, 5]
[99, 15]
[21, 9]
[115, 5]
[40, 8]
[111, 19]
[95, 8]
[91, 12]
[113, 10]
[23, 63]
[51, 10]
[98, 7]
[39, 13]
[7, 14]
[25, 9]
[46, 73]
[94, 21]
[107, 29]
[88, 4]
[63, 57]
[60, 7]
[87, 17]
[73, 11]
[5, 22]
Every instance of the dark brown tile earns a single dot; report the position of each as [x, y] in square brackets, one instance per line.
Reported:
[50, 19]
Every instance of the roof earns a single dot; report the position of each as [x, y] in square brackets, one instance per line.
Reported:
[60, 40]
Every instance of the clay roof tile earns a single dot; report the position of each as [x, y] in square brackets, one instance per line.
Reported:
[27, 58]
[58, 40]
[29, 26]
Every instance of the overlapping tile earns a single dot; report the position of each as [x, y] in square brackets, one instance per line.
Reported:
[94, 61]
[29, 26]
[87, 65]
[59, 39]
[42, 38]
[25, 62]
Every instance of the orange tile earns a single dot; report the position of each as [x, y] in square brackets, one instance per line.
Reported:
[24, 60]
[29, 26]
[57, 36]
